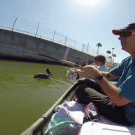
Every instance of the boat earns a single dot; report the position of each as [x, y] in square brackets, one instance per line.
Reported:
[94, 128]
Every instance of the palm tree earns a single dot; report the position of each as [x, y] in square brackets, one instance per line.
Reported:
[108, 52]
[98, 45]
[110, 58]
[114, 55]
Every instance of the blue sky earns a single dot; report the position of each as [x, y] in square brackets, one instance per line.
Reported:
[84, 21]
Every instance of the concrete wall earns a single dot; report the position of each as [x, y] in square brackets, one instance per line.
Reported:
[26, 46]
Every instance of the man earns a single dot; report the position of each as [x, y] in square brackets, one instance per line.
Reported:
[115, 102]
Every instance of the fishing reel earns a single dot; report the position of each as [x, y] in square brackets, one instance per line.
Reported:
[72, 75]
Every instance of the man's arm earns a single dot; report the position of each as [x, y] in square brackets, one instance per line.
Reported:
[112, 93]
[109, 76]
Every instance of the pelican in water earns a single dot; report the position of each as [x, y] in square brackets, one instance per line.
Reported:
[44, 76]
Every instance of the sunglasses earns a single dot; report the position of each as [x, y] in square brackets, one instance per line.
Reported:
[125, 34]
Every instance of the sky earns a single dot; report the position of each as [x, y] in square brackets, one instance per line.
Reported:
[82, 21]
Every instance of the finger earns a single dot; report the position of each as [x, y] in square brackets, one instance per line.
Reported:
[81, 73]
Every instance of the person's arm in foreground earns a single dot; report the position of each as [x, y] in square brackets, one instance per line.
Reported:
[109, 89]
[109, 76]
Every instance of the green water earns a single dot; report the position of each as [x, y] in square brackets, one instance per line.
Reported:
[24, 99]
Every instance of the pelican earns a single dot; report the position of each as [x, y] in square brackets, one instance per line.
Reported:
[44, 76]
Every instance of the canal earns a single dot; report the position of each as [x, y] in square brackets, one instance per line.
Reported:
[25, 99]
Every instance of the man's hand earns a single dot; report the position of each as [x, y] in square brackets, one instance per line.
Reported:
[89, 71]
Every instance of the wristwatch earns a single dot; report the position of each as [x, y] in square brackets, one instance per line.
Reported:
[99, 77]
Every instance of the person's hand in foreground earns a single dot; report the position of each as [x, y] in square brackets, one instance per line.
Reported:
[89, 72]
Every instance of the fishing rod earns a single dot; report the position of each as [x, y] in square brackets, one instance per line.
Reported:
[62, 61]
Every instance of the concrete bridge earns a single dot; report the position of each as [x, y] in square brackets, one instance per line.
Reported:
[18, 45]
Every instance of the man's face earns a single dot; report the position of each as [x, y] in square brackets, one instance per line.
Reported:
[128, 43]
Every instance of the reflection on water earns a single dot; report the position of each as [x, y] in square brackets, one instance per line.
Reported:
[24, 99]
